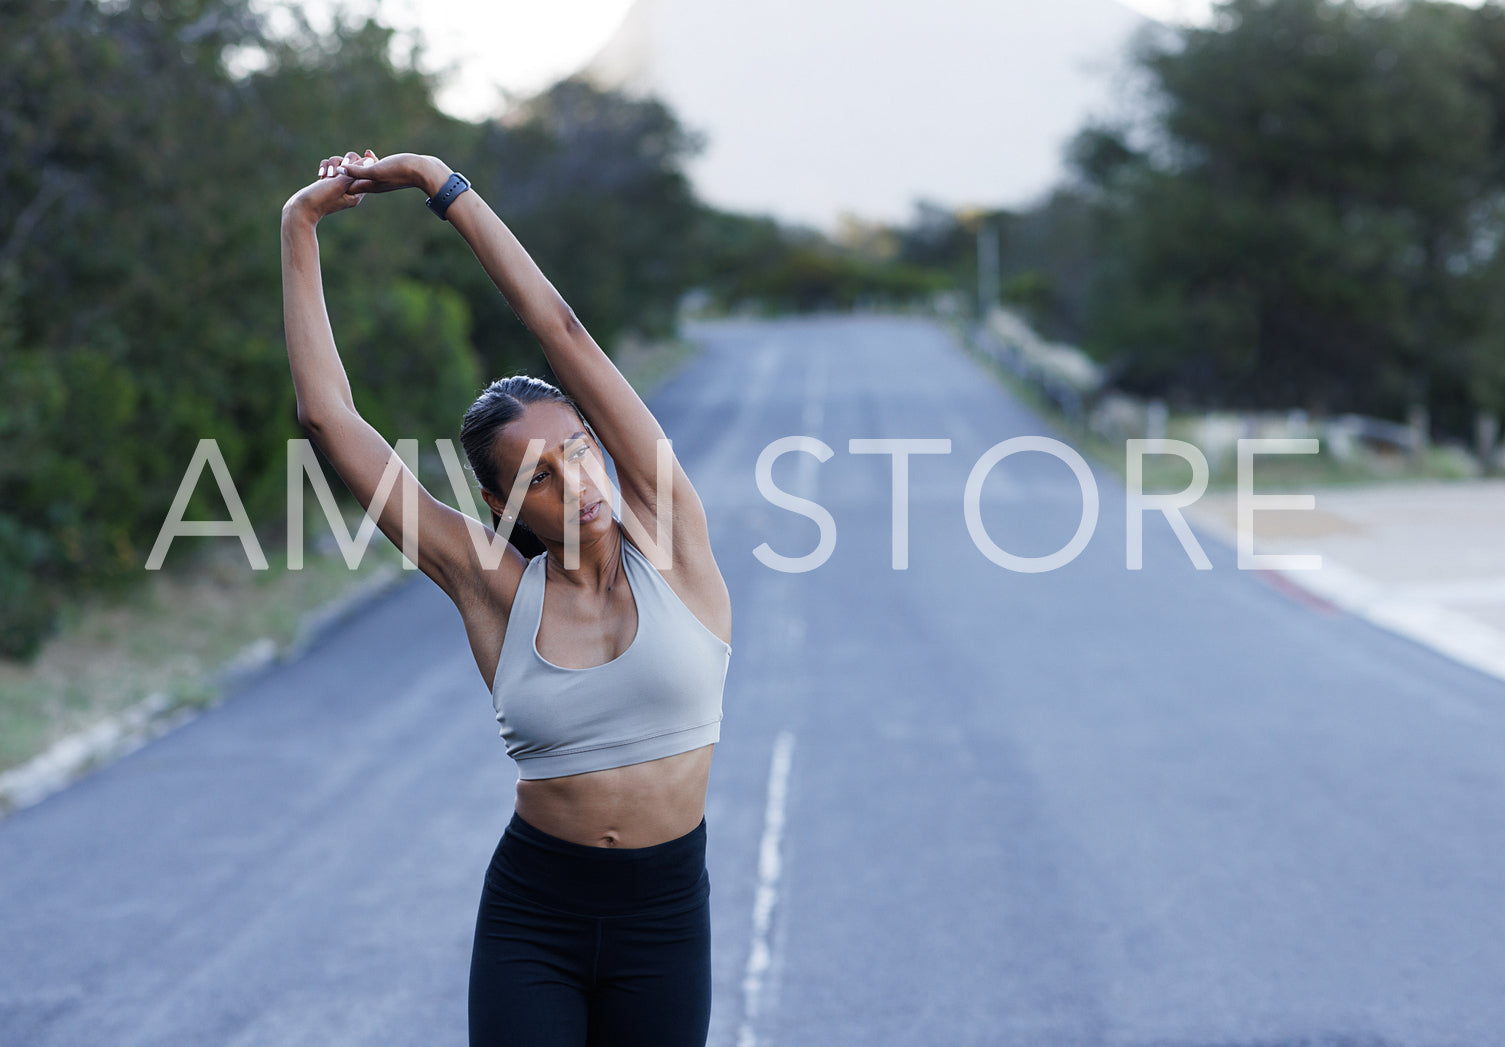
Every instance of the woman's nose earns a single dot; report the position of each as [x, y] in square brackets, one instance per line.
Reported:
[575, 476]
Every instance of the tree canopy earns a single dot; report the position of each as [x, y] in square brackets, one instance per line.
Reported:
[1311, 214]
[146, 149]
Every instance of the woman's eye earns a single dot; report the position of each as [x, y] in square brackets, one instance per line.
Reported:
[539, 477]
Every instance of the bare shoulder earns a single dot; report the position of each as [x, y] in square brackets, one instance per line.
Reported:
[692, 572]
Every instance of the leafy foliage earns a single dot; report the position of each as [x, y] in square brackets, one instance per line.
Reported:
[1308, 213]
[142, 172]
[1315, 219]
[754, 262]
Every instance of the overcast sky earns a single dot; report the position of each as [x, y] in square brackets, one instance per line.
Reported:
[524, 45]
[521, 46]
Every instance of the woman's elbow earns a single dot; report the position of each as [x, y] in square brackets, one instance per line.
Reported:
[308, 421]
[561, 327]
[316, 418]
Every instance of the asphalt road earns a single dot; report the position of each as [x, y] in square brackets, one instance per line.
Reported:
[953, 804]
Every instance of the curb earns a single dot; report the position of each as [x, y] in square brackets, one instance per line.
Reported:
[119, 734]
[318, 622]
[72, 757]
[1334, 587]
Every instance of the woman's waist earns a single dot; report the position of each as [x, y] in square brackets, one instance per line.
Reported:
[621, 808]
[600, 881]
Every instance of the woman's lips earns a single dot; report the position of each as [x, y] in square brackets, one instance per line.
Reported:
[588, 514]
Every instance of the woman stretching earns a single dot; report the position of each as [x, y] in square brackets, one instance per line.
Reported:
[606, 672]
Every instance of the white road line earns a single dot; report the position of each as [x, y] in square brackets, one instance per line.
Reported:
[770, 865]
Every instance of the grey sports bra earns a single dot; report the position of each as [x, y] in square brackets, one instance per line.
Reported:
[659, 697]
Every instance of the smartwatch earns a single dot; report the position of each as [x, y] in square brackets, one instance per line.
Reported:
[440, 201]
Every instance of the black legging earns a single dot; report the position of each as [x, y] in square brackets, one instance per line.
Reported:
[579, 946]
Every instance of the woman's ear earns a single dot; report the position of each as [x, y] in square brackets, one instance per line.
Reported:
[495, 504]
[499, 513]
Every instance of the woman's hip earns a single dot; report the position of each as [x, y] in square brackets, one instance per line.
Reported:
[581, 880]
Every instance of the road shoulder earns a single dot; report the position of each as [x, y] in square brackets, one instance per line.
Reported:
[1421, 559]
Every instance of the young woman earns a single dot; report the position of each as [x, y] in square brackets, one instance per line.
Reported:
[606, 671]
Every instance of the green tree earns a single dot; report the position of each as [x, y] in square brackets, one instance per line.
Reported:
[592, 182]
[104, 235]
[1310, 221]
[142, 171]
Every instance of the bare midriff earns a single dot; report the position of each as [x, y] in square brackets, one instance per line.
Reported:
[639, 805]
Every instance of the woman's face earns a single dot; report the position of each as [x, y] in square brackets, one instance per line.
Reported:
[559, 486]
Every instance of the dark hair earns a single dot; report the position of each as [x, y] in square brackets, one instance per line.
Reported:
[500, 404]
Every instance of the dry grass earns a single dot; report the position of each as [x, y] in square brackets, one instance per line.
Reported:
[173, 635]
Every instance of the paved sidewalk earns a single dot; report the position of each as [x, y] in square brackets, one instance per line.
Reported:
[1424, 559]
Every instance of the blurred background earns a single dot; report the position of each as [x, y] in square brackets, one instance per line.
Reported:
[1284, 206]
[1202, 221]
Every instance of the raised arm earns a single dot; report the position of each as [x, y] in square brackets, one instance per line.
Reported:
[627, 428]
[327, 410]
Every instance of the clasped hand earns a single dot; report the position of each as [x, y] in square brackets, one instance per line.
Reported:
[344, 181]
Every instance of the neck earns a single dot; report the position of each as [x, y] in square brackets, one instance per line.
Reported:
[600, 563]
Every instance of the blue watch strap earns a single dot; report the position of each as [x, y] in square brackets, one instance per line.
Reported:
[440, 201]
